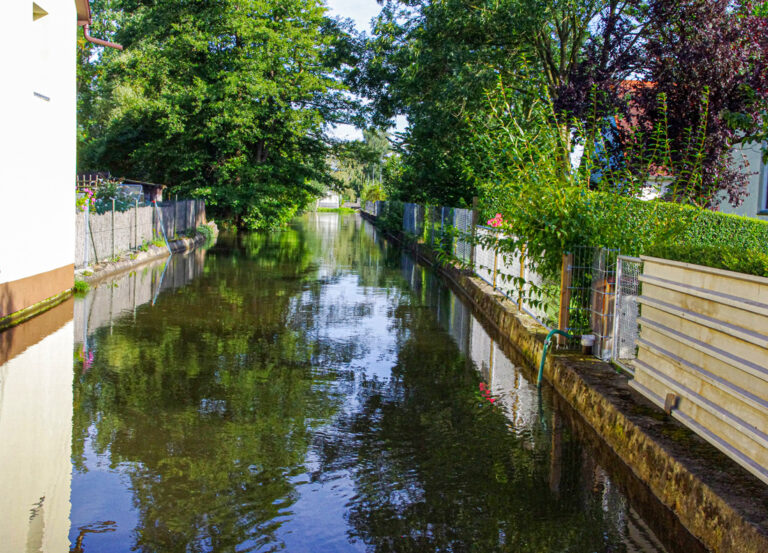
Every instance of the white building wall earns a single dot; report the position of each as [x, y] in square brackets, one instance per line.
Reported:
[37, 138]
[755, 204]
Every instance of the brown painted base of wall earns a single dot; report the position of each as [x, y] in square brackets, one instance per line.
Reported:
[25, 293]
[18, 338]
[717, 501]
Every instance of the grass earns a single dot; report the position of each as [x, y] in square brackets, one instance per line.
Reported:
[335, 210]
[81, 287]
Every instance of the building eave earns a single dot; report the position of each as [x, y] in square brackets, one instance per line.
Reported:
[83, 11]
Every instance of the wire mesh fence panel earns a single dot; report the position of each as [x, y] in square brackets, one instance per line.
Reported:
[626, 328]
[413, 219]
[540, 298]
[592, 297]
[603, 301]
[181, 216]
[578, 294]
[462, 223]
[485, 255]
[508, 273]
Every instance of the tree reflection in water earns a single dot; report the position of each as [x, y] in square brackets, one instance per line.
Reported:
[304, 393]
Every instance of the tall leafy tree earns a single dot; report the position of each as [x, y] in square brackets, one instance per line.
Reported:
[435, 62]
[710, 60]
[226, 101]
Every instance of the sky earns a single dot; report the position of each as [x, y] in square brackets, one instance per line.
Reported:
[361, 12]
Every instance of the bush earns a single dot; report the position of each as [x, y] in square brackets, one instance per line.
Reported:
[109, 190]
[81, 287]
[729, 258]
[206, 231]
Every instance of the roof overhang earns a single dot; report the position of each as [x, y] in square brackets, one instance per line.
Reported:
[83, 11]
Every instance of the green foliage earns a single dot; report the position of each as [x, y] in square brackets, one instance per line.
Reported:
[336, 210]
[109, 190]
[81, 287]
[373, 192]
[391, 217]
[730, 258]
[224, 101]
[206, 231]
[553, 208]
[359, 163]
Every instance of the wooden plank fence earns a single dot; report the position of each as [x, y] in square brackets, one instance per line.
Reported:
[703, 355]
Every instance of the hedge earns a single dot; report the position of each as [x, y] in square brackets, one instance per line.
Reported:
[720, 257]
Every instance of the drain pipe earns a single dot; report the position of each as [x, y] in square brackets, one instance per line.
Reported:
[547, 341]
[93, 40]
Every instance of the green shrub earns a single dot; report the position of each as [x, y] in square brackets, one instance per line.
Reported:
[81, 287]
[206, 231]
[720, 257]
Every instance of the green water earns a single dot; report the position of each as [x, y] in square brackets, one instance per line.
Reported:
[315, 389]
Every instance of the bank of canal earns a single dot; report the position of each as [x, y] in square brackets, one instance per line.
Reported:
[313, 389]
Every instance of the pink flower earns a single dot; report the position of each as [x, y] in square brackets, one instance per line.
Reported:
[496, 221]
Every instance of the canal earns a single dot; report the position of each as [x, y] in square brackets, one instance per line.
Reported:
[313, 389]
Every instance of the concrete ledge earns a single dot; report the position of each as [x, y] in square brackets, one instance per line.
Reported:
[714, 499]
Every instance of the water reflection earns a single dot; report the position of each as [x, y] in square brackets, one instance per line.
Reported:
[36, 433]
[312, 389]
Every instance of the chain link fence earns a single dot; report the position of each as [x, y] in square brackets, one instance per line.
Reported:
[462, 223]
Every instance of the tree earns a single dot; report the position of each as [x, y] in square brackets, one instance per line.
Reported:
[225, 101]
[436, 61]
[710, 60]
[357, 164]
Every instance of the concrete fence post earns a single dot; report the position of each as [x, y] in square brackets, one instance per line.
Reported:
[86, 228]
[175, 213]
[113, 229]
[135, 224]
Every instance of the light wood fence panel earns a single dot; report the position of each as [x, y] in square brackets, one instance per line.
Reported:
[704, 338]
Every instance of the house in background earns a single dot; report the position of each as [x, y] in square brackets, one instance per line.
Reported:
[38, 150]
[756, 202]
[331, 200]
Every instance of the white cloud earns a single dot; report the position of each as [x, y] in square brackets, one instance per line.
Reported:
[360, 11]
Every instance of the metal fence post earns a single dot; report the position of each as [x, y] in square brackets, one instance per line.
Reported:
[521, 287]
[113, 229]
[473, 233]
[495, 267]
[616, 312]
[566, 278]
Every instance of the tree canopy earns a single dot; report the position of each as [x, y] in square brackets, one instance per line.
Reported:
[445, 65]
[227, 101]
